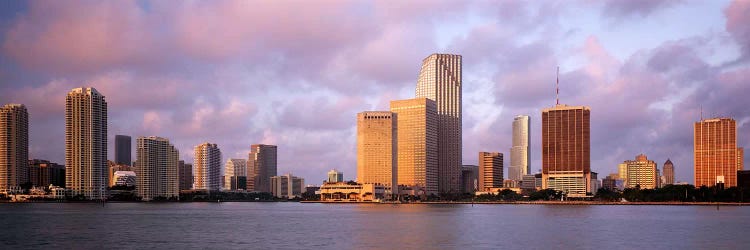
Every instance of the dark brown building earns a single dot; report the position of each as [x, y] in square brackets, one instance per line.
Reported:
[185, 173]
[566, 149]
[42, 173]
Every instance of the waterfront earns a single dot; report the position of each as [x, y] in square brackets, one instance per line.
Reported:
[245, 225]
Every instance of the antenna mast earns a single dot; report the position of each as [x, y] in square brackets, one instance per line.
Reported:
[557, 87]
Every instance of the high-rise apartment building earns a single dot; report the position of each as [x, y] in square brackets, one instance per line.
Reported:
[157, 169]
[235, 174]
[641, 173]
[186, 175]
[440, 80]
[86, 143]
[566, 149]
[207, 167]
[520, 155]
[490, 170]
[715, 152]
[335, 176]
[261, 166]
[668, 170]
[123, 150]
[377, 148]
[417, 142]
[287, 186]
[14, 146]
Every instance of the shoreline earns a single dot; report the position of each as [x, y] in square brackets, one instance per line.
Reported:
[562, 203]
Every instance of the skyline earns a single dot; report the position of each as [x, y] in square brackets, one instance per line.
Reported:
[655, 89]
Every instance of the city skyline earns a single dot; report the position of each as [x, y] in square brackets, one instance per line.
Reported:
[652, 91]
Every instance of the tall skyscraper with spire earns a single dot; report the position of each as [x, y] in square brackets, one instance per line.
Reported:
[715, 152]
[566, 149]
[520, 156]
[440, 80]
[14, 146]
[86, 143]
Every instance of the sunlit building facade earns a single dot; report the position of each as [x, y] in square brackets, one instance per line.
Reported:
[86, 143]
[417, 143]
[207, 167]
[440, 80]
[377, 148]
[287, 186]
[566, 149]
[715, 152]
[157, 168]
[235, 171]
[261, 166]
[641, 173]
[520, 155]
[14, 146]
[490, 171]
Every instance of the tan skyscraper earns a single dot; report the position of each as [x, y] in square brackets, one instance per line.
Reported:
[261, 166]
[207, 167]
[641, 172]
[440, 80]
[490, 170]
[14, 146]
[715, 152]
[520, 157]
[86, 143]
[377, 148]
[566, 140]
[417, 143]
[668, 173]
[157, 169]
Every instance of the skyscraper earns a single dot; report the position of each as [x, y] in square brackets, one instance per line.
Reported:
[641, 173]
[335, 176]
[122, 150]
[440, 80]
[490, 170]
[566, 149]
[157, 169]
[417, 156]
[14, 146]
[261, 166]
[207, 167]
[186, 175]
[740, 158]
[377, 148]
[715, 152]
[668, 173]
[235, 174]
[86, 143]
[520, 155]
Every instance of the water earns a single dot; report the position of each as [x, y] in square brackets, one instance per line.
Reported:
[367, 226]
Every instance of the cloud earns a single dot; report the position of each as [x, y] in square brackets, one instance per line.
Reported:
[640, 8]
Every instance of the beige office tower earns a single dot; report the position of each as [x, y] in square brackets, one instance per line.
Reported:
[234, 170]
[566, 149]
[14, 146]
[490, 170]
[715, 152]
[86, 143]
[641, 173]
[417, 143]
[207, 164]
[157, 169]
[440, 80]
[520, 155]
[377, 148]
[668, 173]
[261, 166]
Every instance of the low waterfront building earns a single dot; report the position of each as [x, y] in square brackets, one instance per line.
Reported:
[125, 178]
[287, 186]
[531, 182]
[352, 192]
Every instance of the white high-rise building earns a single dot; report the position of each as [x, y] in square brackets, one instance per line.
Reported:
[440, 80]
[235, 174]
[207, 165]
[520, 156]
[86, 143]
[14, 146]
[157, 168]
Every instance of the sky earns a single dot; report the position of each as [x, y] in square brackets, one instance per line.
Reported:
[295, 73]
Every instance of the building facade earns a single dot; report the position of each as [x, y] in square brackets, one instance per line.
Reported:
[715, 152]
[469, 177]
[566, 149]
[641, 173]
[668, 174]
[86, 143]
[440, 80]
[157, 169]
[490, 171]
[377, 148]
[125, 178]
[352, 192]
[261, 166]
[417, 156]
[43, 173]
[112, 168]
[186, 175]
[740, 158]
[14, 146]
[207, 167]
[287, 186]
[335, 176]
[123, 150]
[520, 154]
[235, 171]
